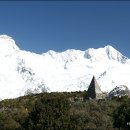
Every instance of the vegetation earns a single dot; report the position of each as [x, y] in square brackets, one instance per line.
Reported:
[63, 111]
[122, 116]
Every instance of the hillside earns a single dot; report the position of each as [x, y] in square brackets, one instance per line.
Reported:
[56, 111]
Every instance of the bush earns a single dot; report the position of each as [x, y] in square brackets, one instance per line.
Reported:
[122, 116]
[50, 112]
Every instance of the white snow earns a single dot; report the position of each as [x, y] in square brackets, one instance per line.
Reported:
[72, 70]
[120, 90]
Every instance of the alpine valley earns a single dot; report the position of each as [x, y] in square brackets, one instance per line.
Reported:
[23, 72]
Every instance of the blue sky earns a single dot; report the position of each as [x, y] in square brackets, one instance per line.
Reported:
[42, 26]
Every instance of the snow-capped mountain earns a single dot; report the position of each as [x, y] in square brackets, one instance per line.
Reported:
[22, 72]
[118, 91]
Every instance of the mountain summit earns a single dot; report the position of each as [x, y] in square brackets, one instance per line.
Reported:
[7, 45]
[115, 55]
[23, 72]
[108, 52]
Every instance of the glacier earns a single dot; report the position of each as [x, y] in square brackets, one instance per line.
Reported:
[23, 72]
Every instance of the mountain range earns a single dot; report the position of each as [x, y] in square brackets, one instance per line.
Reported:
[23, 72]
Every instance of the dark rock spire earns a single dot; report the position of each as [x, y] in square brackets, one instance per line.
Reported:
[94, 91]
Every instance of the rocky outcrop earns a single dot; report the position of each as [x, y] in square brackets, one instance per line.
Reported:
[119, 91]
[94, 91]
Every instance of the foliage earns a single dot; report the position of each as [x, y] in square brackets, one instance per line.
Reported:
[50, 112]
[58, 111]
[122, 116]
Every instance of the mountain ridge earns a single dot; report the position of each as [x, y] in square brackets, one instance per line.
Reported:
[23, 72]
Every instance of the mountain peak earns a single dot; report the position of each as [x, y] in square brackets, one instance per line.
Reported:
[7, 38]
[113, 54]
[7, 45]
[4, 36]
[109, 47]
[107, 52]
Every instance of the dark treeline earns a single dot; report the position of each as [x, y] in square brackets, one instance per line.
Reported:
[64, 111]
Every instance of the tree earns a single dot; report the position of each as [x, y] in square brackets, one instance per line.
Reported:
[122, 116]
[7, 122]
[50, 112]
